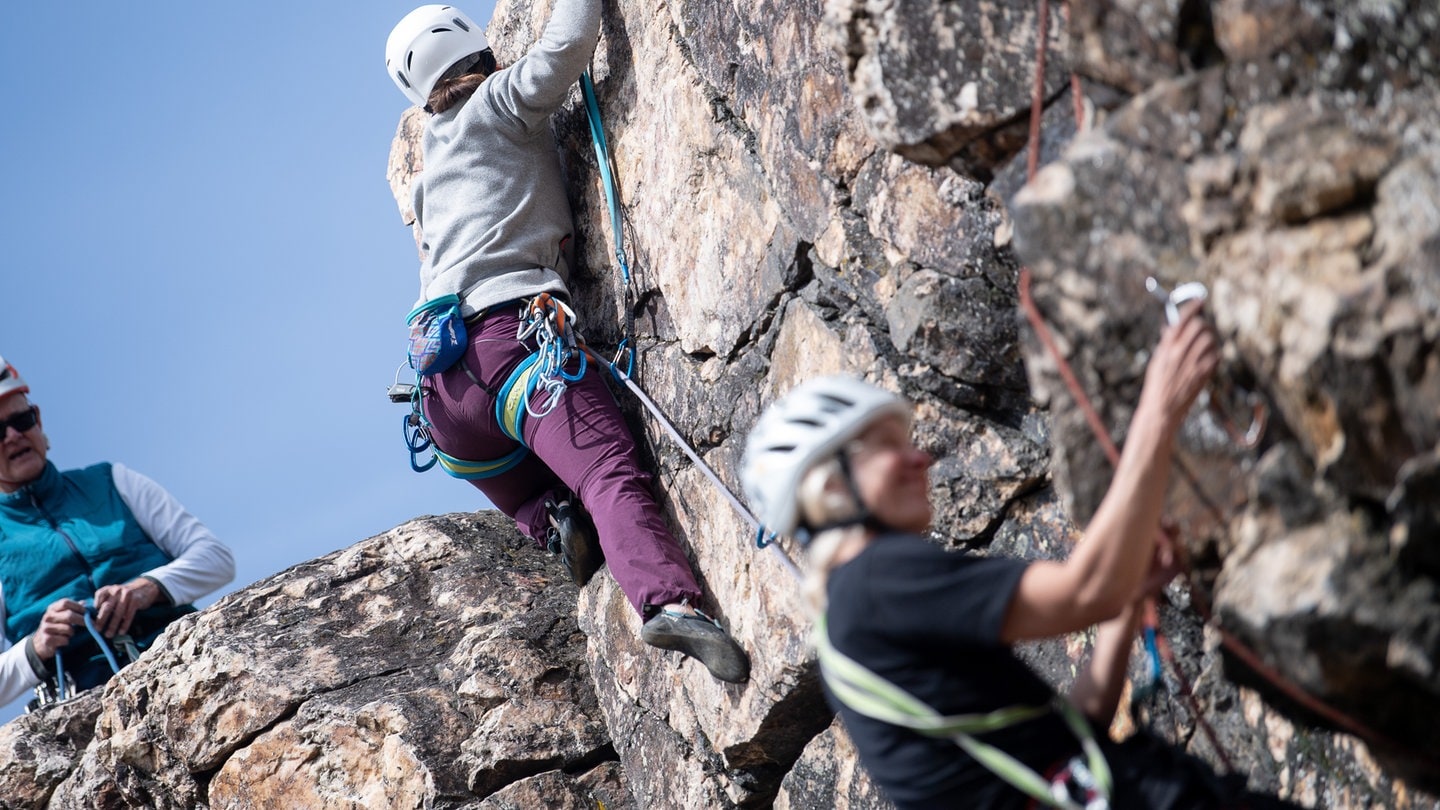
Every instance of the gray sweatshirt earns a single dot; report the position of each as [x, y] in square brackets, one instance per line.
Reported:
[491, 200]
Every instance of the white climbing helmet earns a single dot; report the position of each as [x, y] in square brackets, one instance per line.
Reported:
[10, 381]
[802, 428]
[425, 44]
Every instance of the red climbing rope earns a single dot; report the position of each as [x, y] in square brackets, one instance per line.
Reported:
[1042, 330]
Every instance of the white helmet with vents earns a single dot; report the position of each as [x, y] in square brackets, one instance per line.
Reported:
[10, 381]
[426, 44]
[806, 426]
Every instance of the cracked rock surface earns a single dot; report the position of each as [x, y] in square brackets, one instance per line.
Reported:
[813, 187]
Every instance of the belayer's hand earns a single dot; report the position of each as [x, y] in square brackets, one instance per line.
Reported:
[1182, 364]
[56, 627]
[116, 605]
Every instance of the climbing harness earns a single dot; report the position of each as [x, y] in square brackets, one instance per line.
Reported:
[1082, 784]
[546, 321]
[437, 341]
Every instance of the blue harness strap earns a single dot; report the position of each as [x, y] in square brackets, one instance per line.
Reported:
[471, 470]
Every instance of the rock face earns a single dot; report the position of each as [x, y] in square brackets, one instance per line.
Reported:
[436, 665]
[810, 189]
[1296, 176]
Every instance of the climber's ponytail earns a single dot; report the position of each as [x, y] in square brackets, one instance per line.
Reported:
[456, 90]
[825, 500]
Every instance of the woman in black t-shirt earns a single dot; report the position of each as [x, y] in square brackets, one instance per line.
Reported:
[834, 464]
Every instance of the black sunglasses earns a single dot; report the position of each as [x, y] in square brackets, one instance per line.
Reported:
[21, 421]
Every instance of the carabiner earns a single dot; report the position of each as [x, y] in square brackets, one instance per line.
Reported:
[1176, 298]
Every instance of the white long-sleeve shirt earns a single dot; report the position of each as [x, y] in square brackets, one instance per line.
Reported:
[200, 564]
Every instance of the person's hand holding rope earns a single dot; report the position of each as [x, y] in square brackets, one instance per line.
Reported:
[56, 628]
[116, 605]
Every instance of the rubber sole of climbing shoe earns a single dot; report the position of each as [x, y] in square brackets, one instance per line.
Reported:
[701, 639]
[572, 536]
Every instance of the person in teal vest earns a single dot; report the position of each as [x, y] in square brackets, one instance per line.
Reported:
[101, 547]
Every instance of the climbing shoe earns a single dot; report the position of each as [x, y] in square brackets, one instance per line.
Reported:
[701, 638]
[571, 535]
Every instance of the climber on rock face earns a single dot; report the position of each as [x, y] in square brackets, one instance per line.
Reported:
[495, 227]
[901, 621]
[103, 546]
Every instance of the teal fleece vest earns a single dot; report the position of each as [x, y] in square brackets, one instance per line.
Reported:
[65, 535]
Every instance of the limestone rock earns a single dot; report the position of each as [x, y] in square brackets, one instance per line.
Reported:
[38, 751]
[1277, 187]
[944, 82]
[810, 188]
[1133, 44]
[435, 663]
[828, 774]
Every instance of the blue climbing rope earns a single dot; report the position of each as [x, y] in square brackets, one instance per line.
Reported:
[61, 692]
[99, 638]
[626, 347]
[607, 177]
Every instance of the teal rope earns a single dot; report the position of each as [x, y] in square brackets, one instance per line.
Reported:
[61, 693]
[602, 158]
[617, 224]
[100, 639]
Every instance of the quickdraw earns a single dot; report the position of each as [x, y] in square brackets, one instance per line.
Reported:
[551, 323]
[1214, 406]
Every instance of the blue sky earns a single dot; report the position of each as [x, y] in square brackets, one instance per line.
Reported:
[205, 275]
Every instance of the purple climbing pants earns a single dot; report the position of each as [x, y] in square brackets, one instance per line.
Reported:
[582, 445]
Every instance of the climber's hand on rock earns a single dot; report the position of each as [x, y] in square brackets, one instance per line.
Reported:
[1183, 362]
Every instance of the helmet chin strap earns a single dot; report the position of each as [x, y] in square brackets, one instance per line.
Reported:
[863, 515]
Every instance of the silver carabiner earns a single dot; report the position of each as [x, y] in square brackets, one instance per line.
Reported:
[1176, 298]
